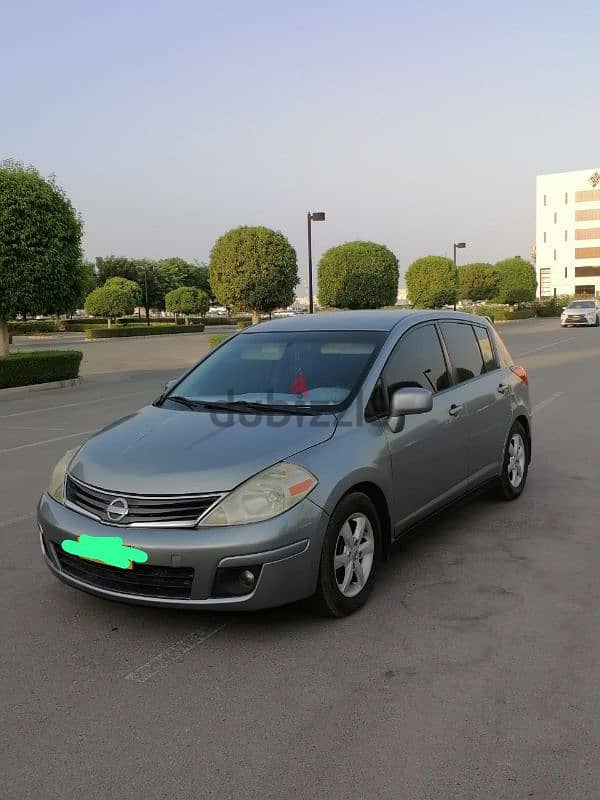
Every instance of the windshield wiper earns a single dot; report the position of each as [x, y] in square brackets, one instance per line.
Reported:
[177, 398]
[243, 405]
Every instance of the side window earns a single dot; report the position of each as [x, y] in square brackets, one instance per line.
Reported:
[417, 360]
[463, 350]
[487, 351]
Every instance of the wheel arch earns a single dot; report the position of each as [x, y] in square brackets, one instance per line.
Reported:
[527, 425]
[378, 498]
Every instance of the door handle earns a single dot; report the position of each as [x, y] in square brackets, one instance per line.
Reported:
[455, 410]
[503, 388]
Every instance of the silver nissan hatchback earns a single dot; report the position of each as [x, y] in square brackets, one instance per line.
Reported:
[287, 461]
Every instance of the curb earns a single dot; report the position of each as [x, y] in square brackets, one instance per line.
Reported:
[16, 391]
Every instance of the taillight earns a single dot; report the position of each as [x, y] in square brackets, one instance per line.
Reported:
[520, 372]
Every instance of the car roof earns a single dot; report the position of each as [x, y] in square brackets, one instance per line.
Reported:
[376, 320]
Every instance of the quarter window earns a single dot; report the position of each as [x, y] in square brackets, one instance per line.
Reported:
[465, 355]
[417, 360]
[487, 351]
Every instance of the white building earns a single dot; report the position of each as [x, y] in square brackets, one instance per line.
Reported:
[568, 233]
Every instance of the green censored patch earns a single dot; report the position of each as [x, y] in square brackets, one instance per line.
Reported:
[107, 549]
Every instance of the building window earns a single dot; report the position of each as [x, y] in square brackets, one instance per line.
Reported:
[544, 237]
[587, 272]
[587, 252]
[565, 272]
[555, 217]
[566, 235]
[544, 199]
[555, 255]
[587, 233]
[587, 215]
[587, 195]
[585, 291]
[566, 198]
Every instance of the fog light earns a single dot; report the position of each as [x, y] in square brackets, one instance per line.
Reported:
[247, 577]
[235, 581]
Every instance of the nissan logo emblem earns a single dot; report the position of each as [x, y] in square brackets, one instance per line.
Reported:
[117, 510]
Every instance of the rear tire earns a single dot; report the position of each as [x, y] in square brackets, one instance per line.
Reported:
[515, 465]
[349, 558]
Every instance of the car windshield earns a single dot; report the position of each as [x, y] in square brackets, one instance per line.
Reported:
[582, 304]
[314, 370]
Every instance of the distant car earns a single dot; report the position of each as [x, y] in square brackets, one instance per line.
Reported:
[581, 312]
[287, 461]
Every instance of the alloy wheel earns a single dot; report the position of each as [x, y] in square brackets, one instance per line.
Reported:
[354, 553]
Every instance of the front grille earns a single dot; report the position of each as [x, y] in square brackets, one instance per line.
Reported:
[143, 580]
[160, 510]
[576, 318]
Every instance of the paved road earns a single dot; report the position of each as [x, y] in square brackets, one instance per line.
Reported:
[472, 673]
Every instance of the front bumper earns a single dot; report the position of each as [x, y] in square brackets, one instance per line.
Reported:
[573, 323]
[286, 549]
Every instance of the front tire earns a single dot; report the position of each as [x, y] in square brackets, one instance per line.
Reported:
[349, 556]
[515, 465]
[597, 322]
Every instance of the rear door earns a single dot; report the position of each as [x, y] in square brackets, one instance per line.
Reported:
[485, 394]
[429, 456]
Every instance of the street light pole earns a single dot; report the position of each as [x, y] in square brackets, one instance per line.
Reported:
[458, 246]
[316, 216]
[147, 304]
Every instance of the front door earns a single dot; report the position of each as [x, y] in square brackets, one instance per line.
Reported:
[429, 456]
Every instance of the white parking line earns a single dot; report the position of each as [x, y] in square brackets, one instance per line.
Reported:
[173, 653]
[72, 405]
[545, 346]
[539, 406]
[46, 441]
[6, 523]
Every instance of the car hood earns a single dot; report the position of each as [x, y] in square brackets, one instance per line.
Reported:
[163, 451]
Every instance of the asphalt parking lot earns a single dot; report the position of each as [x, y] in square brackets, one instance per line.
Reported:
[471, 673]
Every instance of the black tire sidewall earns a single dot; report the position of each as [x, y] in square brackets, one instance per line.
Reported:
[329, 597]
[508, 490]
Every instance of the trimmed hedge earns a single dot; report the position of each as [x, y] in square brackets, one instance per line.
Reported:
[503, 313]
[140, 330]
[24, 369]
[32, 327]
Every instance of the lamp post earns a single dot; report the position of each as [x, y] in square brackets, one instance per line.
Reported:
[458, 246]
[147, 305]
[315, 216]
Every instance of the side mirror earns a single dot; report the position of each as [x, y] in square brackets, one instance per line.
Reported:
[412, 400]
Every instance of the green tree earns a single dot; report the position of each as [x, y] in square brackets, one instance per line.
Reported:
[40, 245]
[358, 275]
[477, 282]
[175, 272]
[253, 269]
[432, 282]
[140, 270]
[517, 281]
[187, 300]
[116, 298]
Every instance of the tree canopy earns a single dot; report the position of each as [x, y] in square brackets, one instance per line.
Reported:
[358, 275]
[432, 282]
[118, 297]
[175, 272]
[477, 282]
[40, 246]
[253, 269]
[517, 281]
[187, 300]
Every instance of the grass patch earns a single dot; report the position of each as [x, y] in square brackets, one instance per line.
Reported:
[216, 340]
[24, 369]
[503, 313]
[116, 332]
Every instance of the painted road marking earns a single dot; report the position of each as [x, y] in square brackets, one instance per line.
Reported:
[539, 406]
[8, 522]
[172, 653]
[72, 405]
[47, 441]
[545, 346]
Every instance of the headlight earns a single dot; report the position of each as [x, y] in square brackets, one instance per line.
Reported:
[57, 479]
[266, 495]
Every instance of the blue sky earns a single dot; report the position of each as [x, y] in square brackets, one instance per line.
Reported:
[411, 124]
